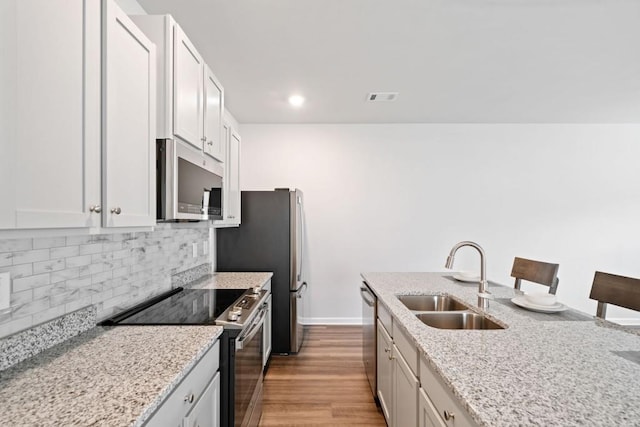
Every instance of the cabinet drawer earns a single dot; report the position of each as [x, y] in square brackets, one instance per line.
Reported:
[406, 347]
[442, 399]
[180, 401]
[385, 318]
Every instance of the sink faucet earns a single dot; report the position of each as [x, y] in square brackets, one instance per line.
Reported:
[483, 289]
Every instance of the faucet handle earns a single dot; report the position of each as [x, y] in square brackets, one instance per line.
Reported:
[486, 295]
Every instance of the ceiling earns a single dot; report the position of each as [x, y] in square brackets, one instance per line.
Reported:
[451, 61]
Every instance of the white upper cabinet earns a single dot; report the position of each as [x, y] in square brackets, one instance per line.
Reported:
[231, 206]
[213, 137]
[129, 90]
[233, 178]
[78, 114]
[190, 98]
[50, 113]
[188, 91]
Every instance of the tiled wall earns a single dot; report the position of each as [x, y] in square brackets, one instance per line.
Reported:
[53, 276]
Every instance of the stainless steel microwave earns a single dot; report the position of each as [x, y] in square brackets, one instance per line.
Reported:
[189, 183]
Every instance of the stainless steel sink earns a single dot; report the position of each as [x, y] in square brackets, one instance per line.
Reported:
[431, 303]
[457, 320]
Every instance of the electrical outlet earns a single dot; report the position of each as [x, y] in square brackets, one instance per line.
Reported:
[5, 290]
[195, 250]
[205, 247]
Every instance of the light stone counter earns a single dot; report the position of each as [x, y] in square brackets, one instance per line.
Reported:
[104, 377]
[542, 370]
[231, 281]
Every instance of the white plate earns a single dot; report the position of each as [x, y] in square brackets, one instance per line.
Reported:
[461, 278]
[522, 302]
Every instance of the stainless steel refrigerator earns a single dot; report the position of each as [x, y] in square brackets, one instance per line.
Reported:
[271, 238]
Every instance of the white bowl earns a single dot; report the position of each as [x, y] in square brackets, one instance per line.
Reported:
[540, 298]
[468, 274]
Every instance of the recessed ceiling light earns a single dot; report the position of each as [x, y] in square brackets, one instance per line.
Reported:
[296, 100]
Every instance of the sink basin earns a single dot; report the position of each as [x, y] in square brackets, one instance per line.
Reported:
[431, 303]
[461, 320]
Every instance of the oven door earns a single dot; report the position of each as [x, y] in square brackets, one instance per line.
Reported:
[248, 374]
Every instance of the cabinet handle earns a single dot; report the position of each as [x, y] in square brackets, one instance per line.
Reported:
[116, 211]
[449, 415]
[189, 398]
[391, 357]
[386, 350]
[210, 142]
[230, 216]
[203, 139]
[95, 208]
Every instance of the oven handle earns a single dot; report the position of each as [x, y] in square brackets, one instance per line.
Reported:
[253, 330]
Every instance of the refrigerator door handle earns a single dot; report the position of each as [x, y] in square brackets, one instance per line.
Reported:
[301, 291]
[302, 236]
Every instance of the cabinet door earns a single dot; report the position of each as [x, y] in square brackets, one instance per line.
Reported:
[213, 96]
[405, 392]
[444, 404]
[427, 413]
[385, 374]
[232, 168]
[206, 412]
[128, 151]
[49, 113]
[187, 90]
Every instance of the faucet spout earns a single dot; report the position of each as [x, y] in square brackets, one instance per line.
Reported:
[483, 288]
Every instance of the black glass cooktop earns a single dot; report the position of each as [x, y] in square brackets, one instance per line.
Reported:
[181, 307]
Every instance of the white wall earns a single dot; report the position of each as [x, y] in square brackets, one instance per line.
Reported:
[397, 197]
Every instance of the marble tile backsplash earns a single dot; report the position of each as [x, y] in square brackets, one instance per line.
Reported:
[54, 276]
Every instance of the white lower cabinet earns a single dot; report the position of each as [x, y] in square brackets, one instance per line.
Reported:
[438, 407]
[405, 392]
[206, 411]
[427, 413]
[397, 382]
[385, 373]
[196, 400]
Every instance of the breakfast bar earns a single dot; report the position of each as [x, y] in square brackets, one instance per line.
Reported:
[548, 369]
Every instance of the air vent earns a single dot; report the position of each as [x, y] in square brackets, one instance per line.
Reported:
[382, 96]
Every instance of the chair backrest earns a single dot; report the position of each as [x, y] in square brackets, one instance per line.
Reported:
[540, 272]
[618, 290]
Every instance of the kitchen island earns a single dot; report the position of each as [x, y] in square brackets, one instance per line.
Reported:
[557, 369]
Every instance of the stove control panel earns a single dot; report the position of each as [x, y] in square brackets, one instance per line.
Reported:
[243, 309]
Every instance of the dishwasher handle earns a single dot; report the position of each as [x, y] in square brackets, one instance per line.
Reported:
[367, 296]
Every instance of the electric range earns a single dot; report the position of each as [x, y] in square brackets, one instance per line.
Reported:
[241, 312]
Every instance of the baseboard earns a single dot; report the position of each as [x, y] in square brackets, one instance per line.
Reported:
[626, 321]
[332, 321]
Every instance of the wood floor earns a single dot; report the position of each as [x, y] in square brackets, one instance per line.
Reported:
[323, 385]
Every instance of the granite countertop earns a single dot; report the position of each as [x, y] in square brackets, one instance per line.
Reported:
[105, 376]
[231, 281]
[558, 369]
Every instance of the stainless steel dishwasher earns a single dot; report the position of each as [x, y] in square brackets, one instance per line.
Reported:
[369, 308]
